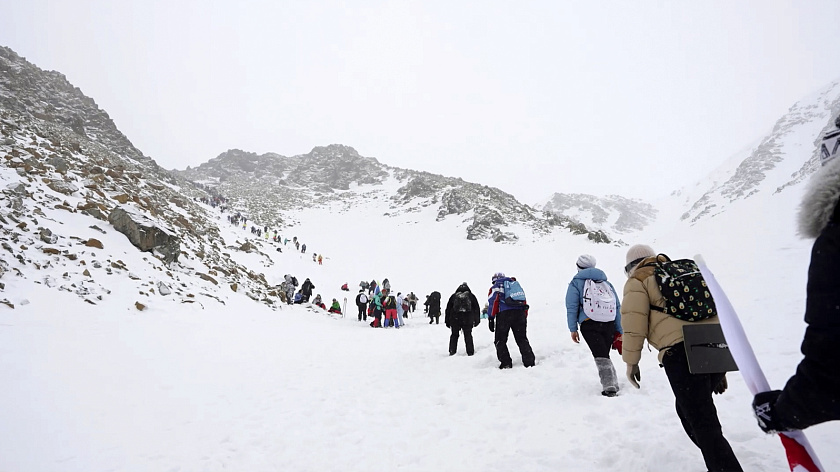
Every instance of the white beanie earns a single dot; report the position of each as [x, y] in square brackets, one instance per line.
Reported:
[585, 261]
[639, 251]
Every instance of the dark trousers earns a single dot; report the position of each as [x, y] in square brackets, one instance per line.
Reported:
[434, 316]
[516, 321]
[598, 336]
[362, 312]
[697, 412]
[468, 339]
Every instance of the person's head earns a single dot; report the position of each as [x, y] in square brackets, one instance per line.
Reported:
[637, 254]
[497, 276]
[463, 287]
[585, 261]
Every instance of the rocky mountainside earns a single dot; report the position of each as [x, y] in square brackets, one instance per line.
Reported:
[615, 214]
[270, 188]
[785, 157]
[73, 188]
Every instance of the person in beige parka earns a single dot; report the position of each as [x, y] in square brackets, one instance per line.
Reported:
[641, 319]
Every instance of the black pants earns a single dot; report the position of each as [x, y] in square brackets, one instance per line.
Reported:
[516, 321]
[468, 339]
[598, 336]
[362, 312]
[434, 316]
[697, 412]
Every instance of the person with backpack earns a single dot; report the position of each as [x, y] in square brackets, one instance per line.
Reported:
[376, 303]
[306, 289]
[508, 307]
[645, 315]
[812, 395]
[386, 285]
[462, 314]
[390, 306]
[433, 305]
[592, 303]
[362, 302]
[291, 283]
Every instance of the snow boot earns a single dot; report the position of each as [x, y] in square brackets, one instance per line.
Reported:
[606, 371]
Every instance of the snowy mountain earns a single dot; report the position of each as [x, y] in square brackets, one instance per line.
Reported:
[140, 329]
[613, 213]
[64, 160]
[273, 188]
[782, 159]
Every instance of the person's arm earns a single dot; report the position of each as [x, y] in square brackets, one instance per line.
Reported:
[573, 309]
[635, 313]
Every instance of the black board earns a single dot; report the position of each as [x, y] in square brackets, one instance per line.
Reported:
[706, 349]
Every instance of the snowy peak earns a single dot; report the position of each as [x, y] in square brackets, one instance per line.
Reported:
[783, 158]
[611, 213]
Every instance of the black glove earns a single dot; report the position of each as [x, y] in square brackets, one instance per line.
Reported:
[764, 410]
[492, 325]
[475, 325]
[721, 386]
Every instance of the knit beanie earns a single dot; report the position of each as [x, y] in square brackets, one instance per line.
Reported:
[585, 261]
[639, 251]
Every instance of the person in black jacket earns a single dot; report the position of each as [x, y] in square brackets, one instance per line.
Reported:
[812, 395]
[433, 307]
[306, 289]
[462, 314]
[361, 303]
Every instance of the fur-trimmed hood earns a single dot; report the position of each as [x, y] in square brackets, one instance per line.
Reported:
[820, 200]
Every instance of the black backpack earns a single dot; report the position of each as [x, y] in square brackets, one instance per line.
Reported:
[462, 302]
[686, 295]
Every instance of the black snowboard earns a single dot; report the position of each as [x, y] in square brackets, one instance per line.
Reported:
[707, 350]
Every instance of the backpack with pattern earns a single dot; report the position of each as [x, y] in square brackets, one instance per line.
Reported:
[686, 295]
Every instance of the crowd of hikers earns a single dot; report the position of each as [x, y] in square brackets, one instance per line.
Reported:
[662, 302]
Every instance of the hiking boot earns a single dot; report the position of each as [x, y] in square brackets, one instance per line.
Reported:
[609, 393]
[451, 353]
[505, 366]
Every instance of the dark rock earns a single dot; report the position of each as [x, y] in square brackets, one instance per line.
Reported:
[145, 234]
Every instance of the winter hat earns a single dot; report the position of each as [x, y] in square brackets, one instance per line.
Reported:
[639, 251]
[497, 276]
[585, 261]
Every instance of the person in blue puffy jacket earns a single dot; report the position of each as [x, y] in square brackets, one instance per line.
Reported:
[592, 303]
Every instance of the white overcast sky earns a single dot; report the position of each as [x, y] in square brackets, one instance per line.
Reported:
[529, 96]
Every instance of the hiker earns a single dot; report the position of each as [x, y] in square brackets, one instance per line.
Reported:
[400, 306]
[320, 259]
[377, 311]
[412, 302]
[317, 302]
[306, 289]
[592, 303]
[344, 287]
[462, 314]
[314, 257]
[390, 306]
[406, 307]
[433, 307]
[386, 285]
[643, 317]
[812, 395]
[373, 288]
[362, 303]
[364, 285]
[303, 249]
[291, 283]
[511, 315]
[298, 298]
[335, 307]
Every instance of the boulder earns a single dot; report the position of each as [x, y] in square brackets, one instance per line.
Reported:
[145, 234]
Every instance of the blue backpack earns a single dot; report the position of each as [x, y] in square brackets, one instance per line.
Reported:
[514, 294]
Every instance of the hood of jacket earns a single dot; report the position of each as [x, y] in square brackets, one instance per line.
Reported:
[820, 200]
[591, 273]
[463, 288]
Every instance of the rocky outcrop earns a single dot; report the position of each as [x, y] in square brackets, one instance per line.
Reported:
[145, 234]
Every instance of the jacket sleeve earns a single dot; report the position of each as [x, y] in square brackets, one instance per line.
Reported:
[811, 396]
[572, 306]
[493, 304]
[635, 315]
